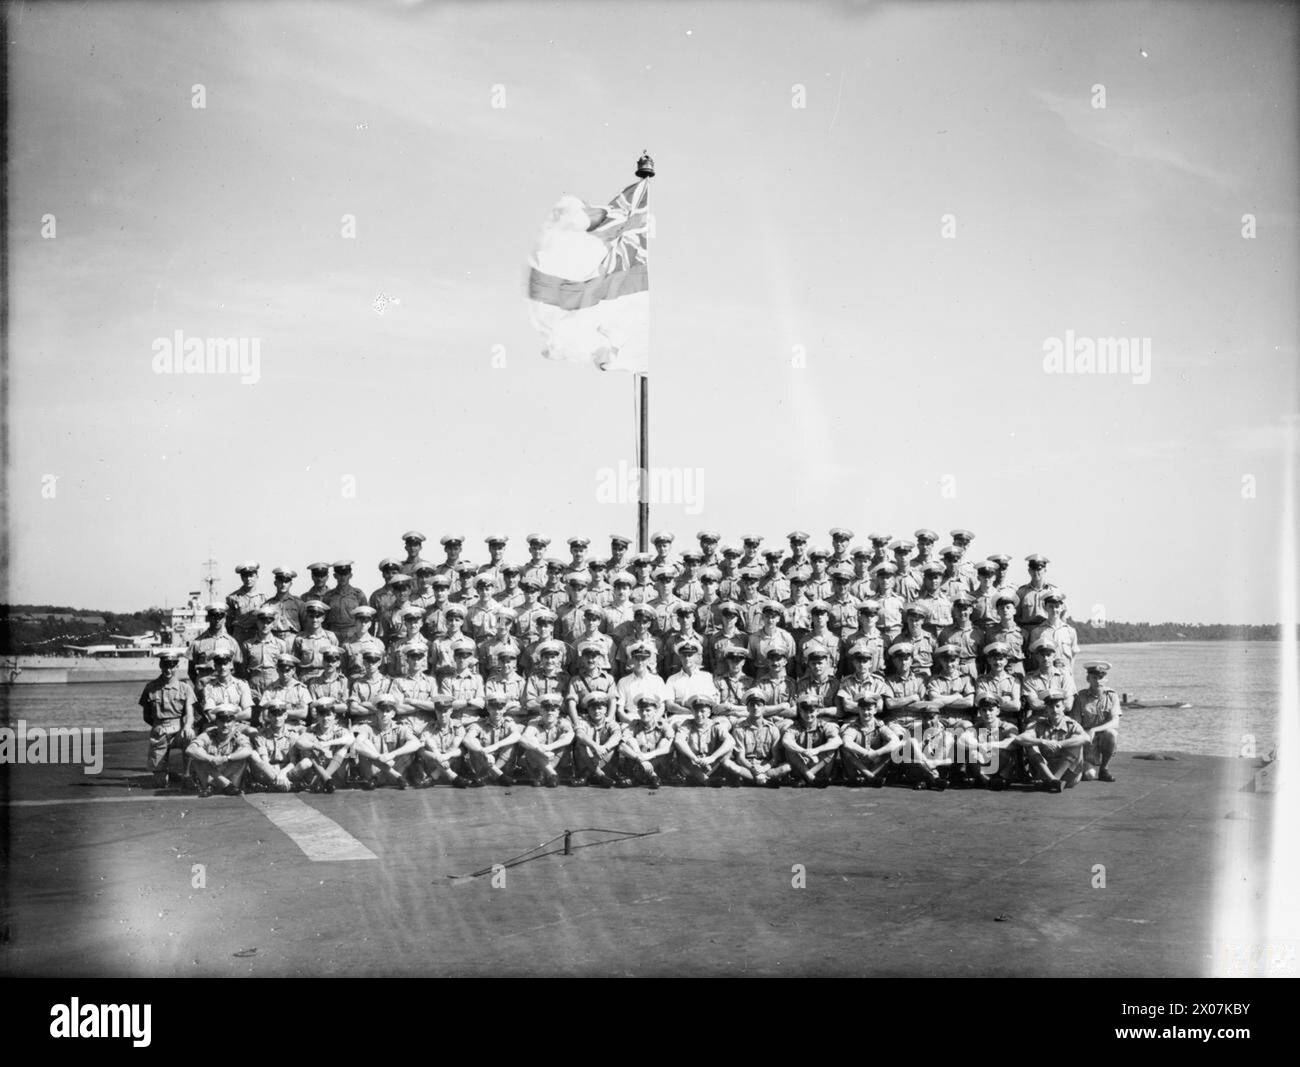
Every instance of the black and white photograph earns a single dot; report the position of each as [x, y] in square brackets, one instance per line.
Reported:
[606, 489]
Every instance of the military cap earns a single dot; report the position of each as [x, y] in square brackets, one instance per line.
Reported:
[986, 566]
[861, 552]
[702, 700]
[797, 535]
[364, 611]
[412, 612]
[684, 609]
[901, 648]
[387, 700]
[414, 535]
[839, 533]
[451, 609]
[221, 655]
[285, 572]
[577, 578]
[806, 700]
[597, 564]
[549, 648]
[751, 539]
[730, 550]
[708, 535]
[773, 553]
[424, 567]
[649, 700]
[224, 711]
[962, 537]
[642, 610]
[1055, 695]
[903, 545]
[661, 536]
[529, 582]
[591, 646]
[797, 579]
[710, 574]
[1004, 598]
[771, 607]
[1035, 560]
[1044, 642]
[315, 607]
[916, 608]
[497, 700]
[754, 696]
[507, 650]
[331, 652]
[932, 568]
[962, 598]
[884, 568]
[504, 612]
[318, 566]
[594, 611]
[997, 648]
[988, 700]
[484, 579]
[400, 579]
[388, 563]
[663, 574]
[372, 654]
[248, 567]
[1000, 558]
[169, 655]
[841, 572]
[550, 700]
[820, 552]
[949, 552]
[623, 578]
[451, 539]
[815, 650]
[640, 559]
[727, 607]
[287, 658]
[1099, 666]
[496, 539]
[465, 568]
[619, 539]
[510, 568]
[689, 645]
[1053, 596]
[637, 648]
[925, 535]
[777, 653]
[537, 539]
[860, 650]
[869, 700]
[869, 607]
[590, 700]
[727, 650]
[880, 539]
[556, 565]
[947, 650]
[546, 615]
[820, 606]
[267, 611]
[691, 556]
[214, 609]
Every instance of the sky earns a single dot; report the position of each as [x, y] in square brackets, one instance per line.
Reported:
[870, 223]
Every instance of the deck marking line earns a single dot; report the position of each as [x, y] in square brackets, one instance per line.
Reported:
[319, 836]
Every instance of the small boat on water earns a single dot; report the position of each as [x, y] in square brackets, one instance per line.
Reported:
[1125, 701]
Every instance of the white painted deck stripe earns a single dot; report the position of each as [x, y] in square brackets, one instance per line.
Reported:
[319, 837]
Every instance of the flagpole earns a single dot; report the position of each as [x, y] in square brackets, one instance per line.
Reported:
[645, 168]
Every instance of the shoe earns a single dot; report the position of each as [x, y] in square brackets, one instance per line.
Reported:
[878, 782]
[296, 787]
[820, 783]
[714, 782]
[204, 792]
[772, 783]
[920, 786]
[601, 780]
[460, 782]
[550, 779]
[402, 783]
[997, 784]
[368, 785]
[798, 783]
[1104, 775]
[1056, 787]
[233, 791]
[938, 785]
[505, 779]
[733, 781]
[623, 783]
[328, 787]
[653, 781]
[579, 780]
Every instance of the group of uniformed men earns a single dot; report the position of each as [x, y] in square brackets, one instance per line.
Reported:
[725, 665]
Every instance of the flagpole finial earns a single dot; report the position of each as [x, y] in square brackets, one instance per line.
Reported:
[645, 166]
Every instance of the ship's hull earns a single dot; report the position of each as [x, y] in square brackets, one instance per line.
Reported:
[69, 670]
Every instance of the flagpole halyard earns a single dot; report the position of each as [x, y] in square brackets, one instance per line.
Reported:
[645, 168]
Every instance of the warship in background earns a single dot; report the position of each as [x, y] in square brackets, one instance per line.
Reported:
[123, 659]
